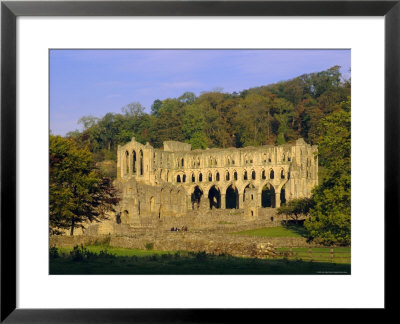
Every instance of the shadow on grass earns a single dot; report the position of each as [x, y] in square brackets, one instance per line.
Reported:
[297, 228]
[187, 263]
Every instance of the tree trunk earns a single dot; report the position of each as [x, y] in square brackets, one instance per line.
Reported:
[72, 227]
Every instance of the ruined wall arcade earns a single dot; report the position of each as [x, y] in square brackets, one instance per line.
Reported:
[175, 181]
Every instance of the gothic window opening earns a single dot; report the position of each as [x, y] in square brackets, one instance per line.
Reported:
[196, 197]
[134, 161]
[232, 198]
[214, 197]
[271, 174]
[141, 162]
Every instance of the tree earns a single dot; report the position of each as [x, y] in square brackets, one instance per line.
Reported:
[194, 127]
[155, 107]
[134, 109]
[330, 216]
[78, 192]
[296, 207]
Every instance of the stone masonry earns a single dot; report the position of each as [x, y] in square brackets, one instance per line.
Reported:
[178, 186]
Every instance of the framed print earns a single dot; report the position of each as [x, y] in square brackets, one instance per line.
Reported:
[183, 205]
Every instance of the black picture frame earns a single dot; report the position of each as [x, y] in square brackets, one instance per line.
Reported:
[10, 10]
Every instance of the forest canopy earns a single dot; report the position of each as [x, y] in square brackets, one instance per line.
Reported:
[273, 114]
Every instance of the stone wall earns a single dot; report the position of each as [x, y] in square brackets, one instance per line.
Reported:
[196, 241]
[179, 185]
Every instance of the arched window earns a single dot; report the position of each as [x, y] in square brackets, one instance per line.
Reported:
[193, 178]
[217, 176]
[134, 161]
[182, 162]
[184, 178]
[271, 174]
[282, 175]
[288, 158]
[178, 178]
[210, 177]
[235, 175]
[245, 175]
[200, 177]
[253, 175]
[141, 162]
[269, 160]
[167, 175]
[263, 175]
[227, 176]
[283, 157]
[127, 162]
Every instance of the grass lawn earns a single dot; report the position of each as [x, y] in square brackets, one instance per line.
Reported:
[340, 254]
[129, 261]
[279, 231]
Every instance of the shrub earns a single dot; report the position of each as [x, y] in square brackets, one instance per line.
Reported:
[201, 256]
[79, 253]
[54, 252]
[149, 246]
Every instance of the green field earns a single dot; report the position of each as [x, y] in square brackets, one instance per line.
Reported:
[340, 254]
[129, 261]
[279, 231]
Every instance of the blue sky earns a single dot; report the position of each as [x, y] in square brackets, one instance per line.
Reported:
[94, 82]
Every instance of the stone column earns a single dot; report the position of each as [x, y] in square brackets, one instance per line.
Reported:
[223, 201]
[277, 199]
[241, 205]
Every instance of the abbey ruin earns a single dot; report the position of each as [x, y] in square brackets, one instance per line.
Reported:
[178, 185]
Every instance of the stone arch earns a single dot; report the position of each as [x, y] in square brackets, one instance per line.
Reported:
[214, 197]
[268, 195]
[196, 197]
[231, 197]
[249, 185]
